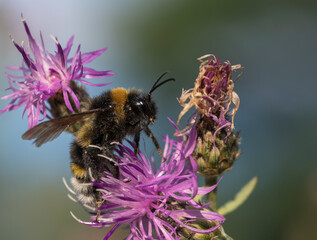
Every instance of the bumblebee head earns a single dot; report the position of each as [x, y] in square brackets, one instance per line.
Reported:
[142, 108]
[148, 107]
[150, 104]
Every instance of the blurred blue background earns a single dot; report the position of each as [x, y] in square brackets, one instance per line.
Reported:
[275, 41]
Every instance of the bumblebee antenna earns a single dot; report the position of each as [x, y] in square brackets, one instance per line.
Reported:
[157, 84]
[159, 78]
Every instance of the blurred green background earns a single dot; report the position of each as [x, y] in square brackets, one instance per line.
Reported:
[275, 41]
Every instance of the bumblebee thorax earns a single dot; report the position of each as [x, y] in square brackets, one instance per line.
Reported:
[119, 98]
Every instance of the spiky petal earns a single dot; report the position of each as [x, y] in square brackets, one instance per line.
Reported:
[152, 201]
[44, 74]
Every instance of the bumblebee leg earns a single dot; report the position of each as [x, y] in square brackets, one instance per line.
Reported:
[150, 135]
[99, 204]
[136, 141]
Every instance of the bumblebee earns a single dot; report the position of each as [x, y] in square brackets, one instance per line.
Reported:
[102, 121]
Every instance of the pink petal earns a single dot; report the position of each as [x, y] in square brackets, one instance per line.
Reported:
[89, 56]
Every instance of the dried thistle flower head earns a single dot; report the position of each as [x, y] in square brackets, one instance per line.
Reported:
[213, 93]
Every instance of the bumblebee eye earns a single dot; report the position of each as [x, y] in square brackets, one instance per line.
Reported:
[140, 102]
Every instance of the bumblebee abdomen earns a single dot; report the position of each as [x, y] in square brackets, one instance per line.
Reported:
[84, 191]
[78, 171]
[82, 185]
[85, 133]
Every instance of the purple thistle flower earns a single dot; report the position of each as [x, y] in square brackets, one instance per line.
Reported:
[45, 74]
[151, 201]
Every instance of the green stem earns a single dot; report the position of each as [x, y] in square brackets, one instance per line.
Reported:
[212, 196]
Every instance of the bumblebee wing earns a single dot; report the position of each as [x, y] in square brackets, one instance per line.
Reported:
[49, 130]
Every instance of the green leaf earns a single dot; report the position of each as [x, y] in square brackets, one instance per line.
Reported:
[198, 198]
[240, 197]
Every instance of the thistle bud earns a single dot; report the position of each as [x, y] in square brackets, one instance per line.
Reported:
[216, 104]
[202, 165]
[214, 156]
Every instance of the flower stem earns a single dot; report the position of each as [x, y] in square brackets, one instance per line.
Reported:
[212, 196]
